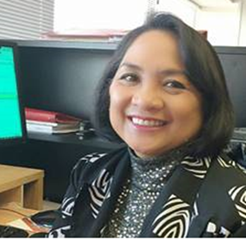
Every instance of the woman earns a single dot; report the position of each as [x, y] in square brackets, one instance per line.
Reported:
[163, 95]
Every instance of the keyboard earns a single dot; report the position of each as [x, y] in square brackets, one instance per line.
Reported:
[12, 232]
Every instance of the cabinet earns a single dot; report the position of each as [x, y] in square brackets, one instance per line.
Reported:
[59, 76]
[21, 185]
[62, 76]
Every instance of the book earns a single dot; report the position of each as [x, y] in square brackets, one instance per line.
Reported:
[49, 116]
[52, 128]
[54, 124]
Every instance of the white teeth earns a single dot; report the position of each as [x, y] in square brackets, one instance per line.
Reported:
[151, 123]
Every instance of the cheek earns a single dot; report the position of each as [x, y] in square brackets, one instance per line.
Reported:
[189, 114]
[114, 96]
[115, 99]
[195, 117]
[120, 97]
[116, 106]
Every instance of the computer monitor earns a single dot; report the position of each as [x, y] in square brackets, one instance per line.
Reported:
[12, 125]
[233, 60]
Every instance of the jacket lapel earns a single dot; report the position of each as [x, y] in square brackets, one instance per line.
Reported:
[100, 195]
[172, 212]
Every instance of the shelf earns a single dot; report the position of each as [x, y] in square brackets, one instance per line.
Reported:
[21, 185]
[68, 44]
[72, 138]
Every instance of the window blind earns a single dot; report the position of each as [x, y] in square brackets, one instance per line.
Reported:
[25, 19]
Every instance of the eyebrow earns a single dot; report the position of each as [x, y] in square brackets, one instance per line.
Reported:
[166, 72]
[130, 65]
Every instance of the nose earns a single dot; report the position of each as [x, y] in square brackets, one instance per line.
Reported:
[148, 98]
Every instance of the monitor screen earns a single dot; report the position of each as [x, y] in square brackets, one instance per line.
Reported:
[233, 60]
[12, 127]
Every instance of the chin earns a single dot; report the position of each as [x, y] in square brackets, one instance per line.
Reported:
[145, 153]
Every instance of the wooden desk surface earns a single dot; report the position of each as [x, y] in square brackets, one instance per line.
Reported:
[12, 214]
[11, 176]
[12, 211]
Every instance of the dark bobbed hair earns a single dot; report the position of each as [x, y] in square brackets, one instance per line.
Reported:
[204, 71]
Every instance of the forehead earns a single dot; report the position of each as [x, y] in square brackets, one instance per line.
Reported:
[155, 47]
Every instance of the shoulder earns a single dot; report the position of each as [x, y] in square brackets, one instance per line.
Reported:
[88, 160]
[229, 179]
[95, 158]
[233, 176]
[233, 180]
[228, 165]
[87, 165]
[222, 176]
[222, 192]
[91, 164]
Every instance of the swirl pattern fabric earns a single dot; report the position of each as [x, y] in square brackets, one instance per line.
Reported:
[198, 167]
[238, 195]
[174, 220]
[99, 191]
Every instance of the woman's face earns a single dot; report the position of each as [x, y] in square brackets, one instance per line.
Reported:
[153, 106]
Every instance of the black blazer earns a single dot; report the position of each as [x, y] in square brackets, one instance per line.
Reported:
[202, 198]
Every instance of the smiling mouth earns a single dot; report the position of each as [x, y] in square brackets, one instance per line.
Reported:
[147, 122]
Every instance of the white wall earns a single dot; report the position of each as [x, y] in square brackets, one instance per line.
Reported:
[226, 27]
[181, 8]
[73, 15]
[222, 26]
[242, 30]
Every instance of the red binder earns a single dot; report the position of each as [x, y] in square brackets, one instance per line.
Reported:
[48, 116]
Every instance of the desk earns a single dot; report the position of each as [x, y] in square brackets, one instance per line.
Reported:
[12, 211]
[11, 214]
[21, 185]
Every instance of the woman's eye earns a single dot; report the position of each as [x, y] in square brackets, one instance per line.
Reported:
[129, 77]
[174, 84]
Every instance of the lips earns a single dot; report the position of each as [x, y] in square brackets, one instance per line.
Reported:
[147, 122]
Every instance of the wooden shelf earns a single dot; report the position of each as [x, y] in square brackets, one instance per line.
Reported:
[21, 185]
